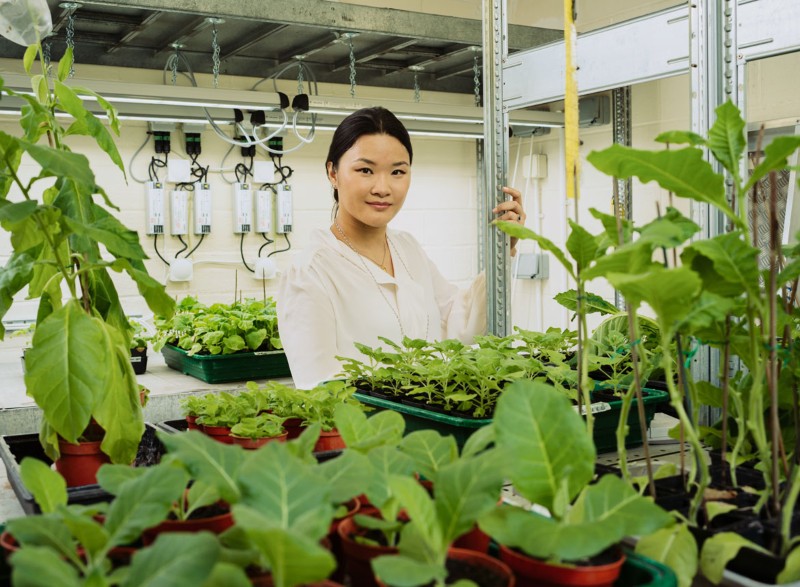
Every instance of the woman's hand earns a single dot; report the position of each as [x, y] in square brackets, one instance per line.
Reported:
[512, 211]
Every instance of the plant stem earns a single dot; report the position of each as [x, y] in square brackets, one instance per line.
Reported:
[725, 390]
[772, 380]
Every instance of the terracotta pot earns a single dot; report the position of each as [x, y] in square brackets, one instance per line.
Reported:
[219, 433]
[353, 506]
[358, 557]
[8, 543]
[214, 524]
[499, 570]
[254, 443]
[79, 463]
[331, 440]
[191, 423]
[293, 427]
[533, 572]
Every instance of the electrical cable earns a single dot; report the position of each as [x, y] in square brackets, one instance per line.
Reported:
[241, 250]
[139, 150]
[288, 245]
[155, 246]
[222, 169]
[189, 254]
[155, 163]
[185, 246]
[269, 242]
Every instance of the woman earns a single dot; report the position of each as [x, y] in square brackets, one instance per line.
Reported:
[358, 280]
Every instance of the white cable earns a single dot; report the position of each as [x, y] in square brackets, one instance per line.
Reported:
[130, 165]
[222, 166]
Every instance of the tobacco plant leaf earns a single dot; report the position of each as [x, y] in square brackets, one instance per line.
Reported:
[67, 368]
[13, 277]
[719, 550]
[791, 569]
[38, 566]
[179, 560]
[775, 157]
[675, 547]
[10, 158]
[684, 172]
[708, 316]
[430, 451]
[592, 303]
[17, 212]
[227, 574]
[385, 461]
[213, 462]
[518, 231]
[47, 487]
[347, 475]
[404, 571]
[609, 222]
[671, 230]
[680, 137]
[548, 440]
[726, 138]
[633, 257]
[60, 163]
[45, 530]
[153, 292]
[362, 434]
[119, 240]
[581, 245]
[734, 261]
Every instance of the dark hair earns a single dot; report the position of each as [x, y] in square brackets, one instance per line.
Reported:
[367, 121]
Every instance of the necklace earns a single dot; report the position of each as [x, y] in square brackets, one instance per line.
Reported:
[378, 285]
[382, 264]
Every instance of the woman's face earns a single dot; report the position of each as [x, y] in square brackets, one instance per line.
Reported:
[373, 179]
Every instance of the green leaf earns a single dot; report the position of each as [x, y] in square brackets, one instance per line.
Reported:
[46, 530]
[113, 477]
[154, 293]
[16, 212]
[681, 137]
[684, 172]
[719, 550]
[347, 475]
[726, 138]
[634, 257]
[670, 292]
[65, 65]
[402, 571]
[40, 90]
[179, 560]
[30, 56]
[715, 508]
[548, 439]
[675, 547]
[733, 260]
[385, 462]
[61, 163]
[42, 567]
[13, 277]
[225, 574]
[669, 231]
[518, 231]
[791, 570]
[214, 462]
[478, 441]
[10, 158]
[581, 245]
[109, 231]
[111, 112]
[776, 157]
[255, 338]
[47, 487]
[610, 225]
[592, 303]
[430, 451]
[423, 514]
[62, 382]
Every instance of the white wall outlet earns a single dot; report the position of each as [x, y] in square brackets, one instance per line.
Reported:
[202, 209]
[179, 171]
[284, 209]
[155, 207]
[242, 208]
[263, 172]
[534, 166]
[263, 211]
[178, 212]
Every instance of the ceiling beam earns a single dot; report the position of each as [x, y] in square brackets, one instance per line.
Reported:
[347, 17]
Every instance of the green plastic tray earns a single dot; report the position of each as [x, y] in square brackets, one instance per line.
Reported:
[605, 423]
[640, 571]
[422, 419]
[224, 368]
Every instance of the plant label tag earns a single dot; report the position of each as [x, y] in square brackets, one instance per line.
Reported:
[597, 407]
[136, 359]
[262, 353]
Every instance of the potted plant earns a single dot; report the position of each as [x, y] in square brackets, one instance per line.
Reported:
[554, 467]
[78, 369]
[138, 346]
[255, 431]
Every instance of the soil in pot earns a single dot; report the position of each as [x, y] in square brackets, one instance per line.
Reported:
[214, 518]
[599, 571]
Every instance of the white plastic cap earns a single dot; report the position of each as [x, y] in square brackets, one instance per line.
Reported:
[181, 270]
[265, 268]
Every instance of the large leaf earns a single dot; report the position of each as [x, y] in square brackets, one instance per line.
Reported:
[726, 138]
[385, 462]
[791, 570]
[671, 230]
[776, 155]
[670, 292]
[581, 245]
[10, 158]
[719, 550]
[429, 541]
[548, 440]
[212, 462]
[683, 171]
[174, 560]
[430, 451]
[42, 567]
[67, 368]
[403, 571]
[609, 222]
[675, 547]
[45, 530]
[144, 501]
[286, 492]
[519, 231]
[293, 559]
[120, 241]
[154, 293]
[61, 163]
[363, 434]
[13, 277]
[592, 303]
[48, 488]
[347, 475]
[680, 137]
[709, 310]
[633, 257]
[16, 212]
[732, 258]
[466, 490]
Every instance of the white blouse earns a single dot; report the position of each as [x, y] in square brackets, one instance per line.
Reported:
[332, 297]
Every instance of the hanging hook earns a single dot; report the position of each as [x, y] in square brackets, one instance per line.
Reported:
[71, 7]
[476, 77]
[352, 57]
[416, 69]
[214, 21]
[173, 62]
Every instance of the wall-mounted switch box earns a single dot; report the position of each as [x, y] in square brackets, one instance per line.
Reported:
[263, 172]
[283, 209]
[202, 209]
[178, 213]
[242, 208]
[154, 203]
[533, 266]
[264, 211]
[179, 171]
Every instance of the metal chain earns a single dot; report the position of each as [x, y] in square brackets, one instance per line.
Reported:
[352, 67]
[174, 67]
[215, 54]
[476, 80]
[71, 39]
[300, 77]
[416, 88]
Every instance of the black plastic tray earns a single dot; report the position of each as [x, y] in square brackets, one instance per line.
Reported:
[14, 448]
